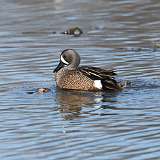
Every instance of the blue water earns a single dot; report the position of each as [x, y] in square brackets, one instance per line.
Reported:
[123, 35]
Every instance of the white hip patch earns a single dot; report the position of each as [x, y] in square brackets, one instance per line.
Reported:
[98, 84]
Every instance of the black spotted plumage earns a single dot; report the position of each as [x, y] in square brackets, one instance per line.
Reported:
[106, 76]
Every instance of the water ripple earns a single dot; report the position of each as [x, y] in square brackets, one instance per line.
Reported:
[123, 35]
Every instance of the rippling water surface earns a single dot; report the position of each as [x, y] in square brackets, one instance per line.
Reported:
[79, 125]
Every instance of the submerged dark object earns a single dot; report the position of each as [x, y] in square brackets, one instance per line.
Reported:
[76, 31]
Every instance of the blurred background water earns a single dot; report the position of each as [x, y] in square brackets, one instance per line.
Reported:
[120, 34]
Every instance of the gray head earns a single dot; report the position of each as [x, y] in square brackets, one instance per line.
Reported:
[69, 58]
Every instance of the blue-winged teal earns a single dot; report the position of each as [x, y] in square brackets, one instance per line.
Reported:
[69, 75]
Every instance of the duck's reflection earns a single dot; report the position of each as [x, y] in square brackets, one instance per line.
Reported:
[71, 102]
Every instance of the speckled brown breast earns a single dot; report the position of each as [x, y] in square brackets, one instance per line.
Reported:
[73, 79]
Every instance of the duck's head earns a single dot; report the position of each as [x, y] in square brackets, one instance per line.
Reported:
[69, 58]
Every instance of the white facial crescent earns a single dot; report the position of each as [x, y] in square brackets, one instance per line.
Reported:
[63, 60]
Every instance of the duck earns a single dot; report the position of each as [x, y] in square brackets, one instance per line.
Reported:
[69, 75]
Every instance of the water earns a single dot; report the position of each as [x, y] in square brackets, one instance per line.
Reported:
[79, 125]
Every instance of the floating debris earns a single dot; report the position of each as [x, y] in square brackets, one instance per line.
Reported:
[76, 31]
[38, 90]
[156, 44]
[43, 90]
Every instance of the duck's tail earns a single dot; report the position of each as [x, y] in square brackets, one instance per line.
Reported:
[113, 85]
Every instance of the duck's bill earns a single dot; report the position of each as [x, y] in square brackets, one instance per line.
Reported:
[60, 65]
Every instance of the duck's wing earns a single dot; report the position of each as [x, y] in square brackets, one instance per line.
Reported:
[96, 73]
[106, 76]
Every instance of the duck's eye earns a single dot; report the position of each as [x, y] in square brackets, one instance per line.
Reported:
[64, 56]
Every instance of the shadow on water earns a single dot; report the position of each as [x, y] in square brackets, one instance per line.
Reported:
[71, 103]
